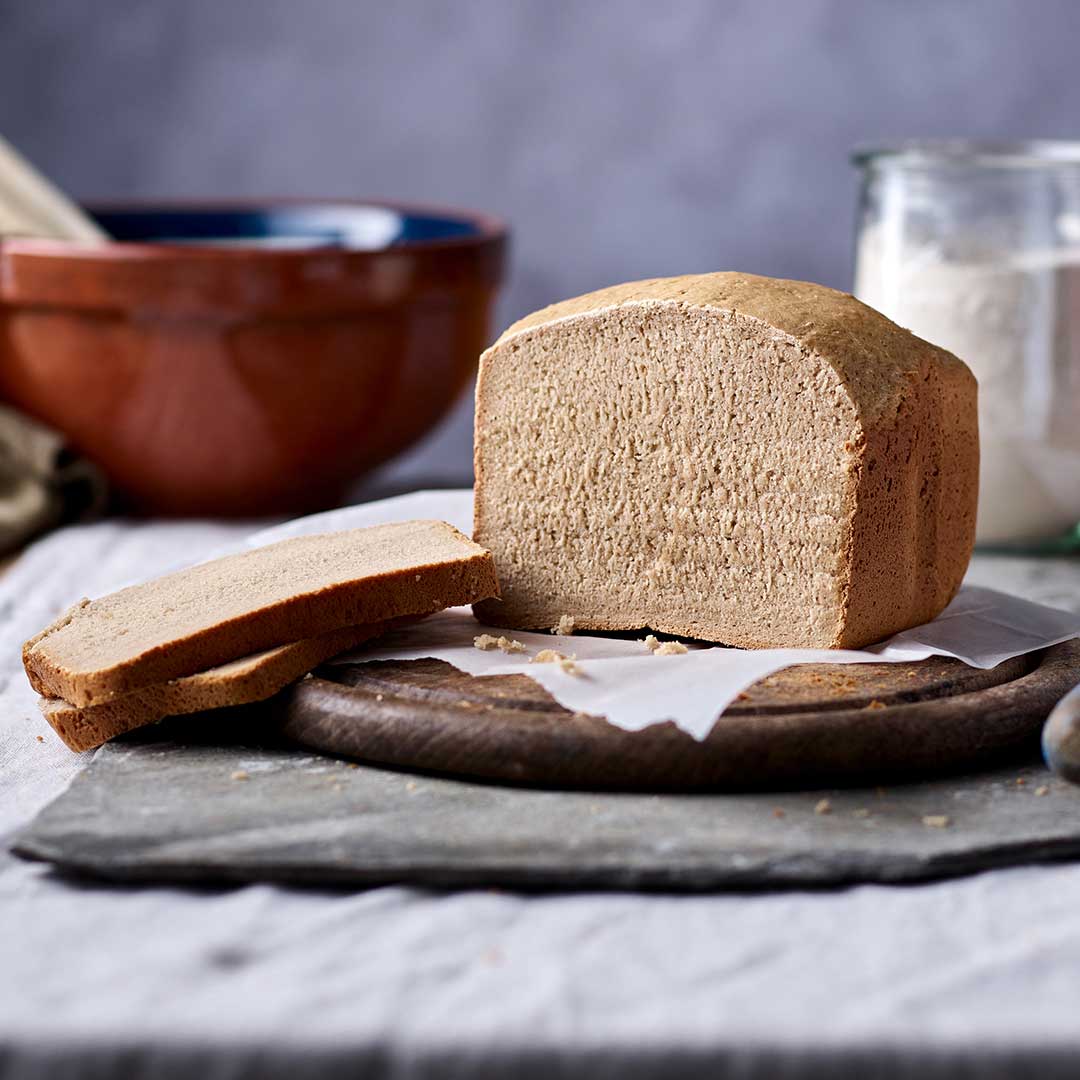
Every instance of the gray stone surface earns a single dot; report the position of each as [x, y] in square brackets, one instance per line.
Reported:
[147, 808]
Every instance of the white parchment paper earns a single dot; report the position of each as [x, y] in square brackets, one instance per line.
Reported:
[631, 686]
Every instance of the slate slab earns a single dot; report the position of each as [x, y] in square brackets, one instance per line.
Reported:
[151, 809]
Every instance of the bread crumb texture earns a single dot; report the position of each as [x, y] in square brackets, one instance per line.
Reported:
[564, 626]
[726, 457]
[823, 806]
[937, 821]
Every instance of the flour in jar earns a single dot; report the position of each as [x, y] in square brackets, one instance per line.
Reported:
[1014, 318]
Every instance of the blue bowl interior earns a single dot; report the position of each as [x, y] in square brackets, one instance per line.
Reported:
[357, 228]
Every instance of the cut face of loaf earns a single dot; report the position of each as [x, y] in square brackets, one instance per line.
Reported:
[739, 459]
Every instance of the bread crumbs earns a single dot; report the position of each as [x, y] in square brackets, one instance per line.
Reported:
[564, 626]
[41, 738]
[487, 642]
[670, 648]
[550, 656]
[823, 807]
[663, 648]
[547, 656]
[875, 704]
[937, 821]
[240, 775]
[1041, 790]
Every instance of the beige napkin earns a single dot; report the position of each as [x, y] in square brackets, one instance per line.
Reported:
[43, 484]
[31, 205]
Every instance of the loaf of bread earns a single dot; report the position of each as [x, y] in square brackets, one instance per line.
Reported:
[207, 615]
[734, 458]
[239, 682]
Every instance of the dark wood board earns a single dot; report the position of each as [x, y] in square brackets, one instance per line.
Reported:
[802, 727]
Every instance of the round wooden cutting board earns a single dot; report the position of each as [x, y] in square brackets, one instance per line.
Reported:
[806, 726]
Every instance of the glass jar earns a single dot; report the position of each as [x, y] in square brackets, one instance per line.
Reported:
[976, 247]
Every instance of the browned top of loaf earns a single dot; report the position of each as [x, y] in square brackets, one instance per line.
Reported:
[872, 355]
[220, 610]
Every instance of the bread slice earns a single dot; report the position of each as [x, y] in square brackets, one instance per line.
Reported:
[735, 458]
[209, 614]
[239, 682]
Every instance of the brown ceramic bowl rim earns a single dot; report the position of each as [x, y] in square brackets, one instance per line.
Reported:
[189, 279]
[488, 228]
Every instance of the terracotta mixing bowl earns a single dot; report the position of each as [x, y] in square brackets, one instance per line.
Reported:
[248, 359]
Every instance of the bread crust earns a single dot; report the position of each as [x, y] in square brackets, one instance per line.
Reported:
[239, 682]
[911, 488]
[914, 507]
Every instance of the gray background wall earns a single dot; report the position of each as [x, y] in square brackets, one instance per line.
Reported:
[622, 138]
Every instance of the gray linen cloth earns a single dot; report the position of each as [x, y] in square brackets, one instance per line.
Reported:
[978, 976]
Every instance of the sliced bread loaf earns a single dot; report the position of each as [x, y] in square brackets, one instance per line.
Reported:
[735, 458]
[239, 682]
[218, 611]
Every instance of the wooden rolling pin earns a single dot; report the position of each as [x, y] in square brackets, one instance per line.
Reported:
[32, 206]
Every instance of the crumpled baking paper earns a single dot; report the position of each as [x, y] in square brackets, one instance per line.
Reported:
[632, 687]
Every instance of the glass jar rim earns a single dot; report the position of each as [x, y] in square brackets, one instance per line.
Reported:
[970, 153]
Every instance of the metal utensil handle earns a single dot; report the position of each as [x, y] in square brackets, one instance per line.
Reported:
[1061, 737]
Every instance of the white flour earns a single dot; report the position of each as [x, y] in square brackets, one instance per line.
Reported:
[1015, 320]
